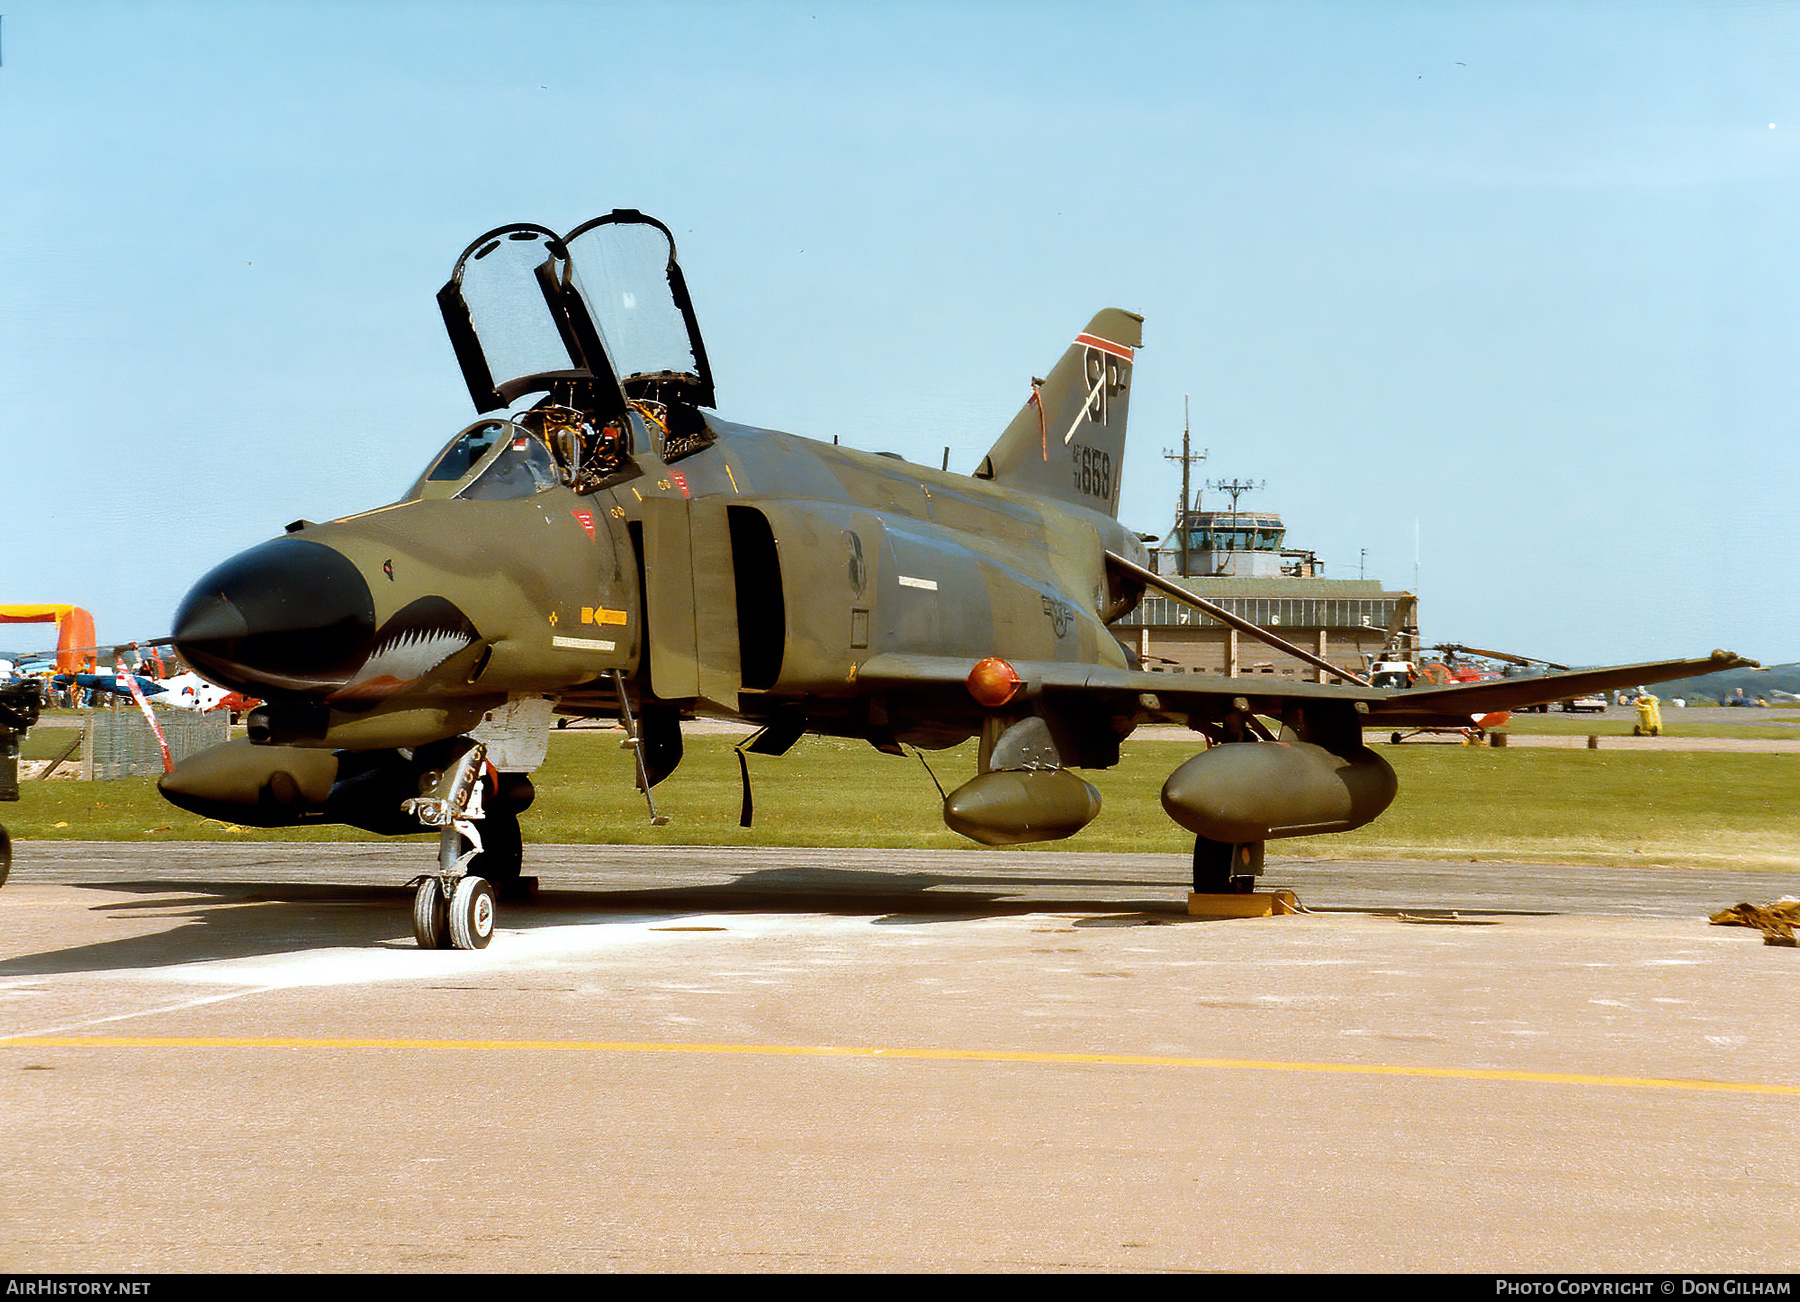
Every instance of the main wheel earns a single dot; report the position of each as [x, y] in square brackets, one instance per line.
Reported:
[1224, 869]
[1212, 866]
[472, 914]
[431, 915]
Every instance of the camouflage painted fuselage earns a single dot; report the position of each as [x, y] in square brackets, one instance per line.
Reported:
[750, 580]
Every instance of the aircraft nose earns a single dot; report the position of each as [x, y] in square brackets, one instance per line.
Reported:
[289, 615]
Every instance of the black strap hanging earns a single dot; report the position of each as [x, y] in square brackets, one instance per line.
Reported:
[747, 810]
[929, 773]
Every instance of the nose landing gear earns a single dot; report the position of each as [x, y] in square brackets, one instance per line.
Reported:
[452, 909]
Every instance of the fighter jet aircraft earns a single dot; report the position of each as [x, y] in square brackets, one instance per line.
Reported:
[599, 542]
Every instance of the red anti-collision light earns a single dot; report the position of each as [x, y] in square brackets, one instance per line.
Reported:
[993, 682]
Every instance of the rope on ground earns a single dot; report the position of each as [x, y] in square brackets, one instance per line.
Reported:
[1776, 919]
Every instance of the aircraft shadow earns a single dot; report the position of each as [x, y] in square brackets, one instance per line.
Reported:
[230, 920]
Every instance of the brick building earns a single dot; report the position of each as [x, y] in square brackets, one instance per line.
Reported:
[1238, 560]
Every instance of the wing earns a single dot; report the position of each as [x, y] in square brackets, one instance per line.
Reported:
[1171, 698]
[1451, 706]
[1064, 675]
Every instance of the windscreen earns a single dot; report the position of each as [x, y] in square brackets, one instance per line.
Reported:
[491, 461]
[523, 468]
[621, 271]
[465, 451]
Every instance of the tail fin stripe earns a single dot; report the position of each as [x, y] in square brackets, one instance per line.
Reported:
[1105, 346]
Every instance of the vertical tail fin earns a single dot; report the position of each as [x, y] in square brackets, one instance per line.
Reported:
[1068, 441]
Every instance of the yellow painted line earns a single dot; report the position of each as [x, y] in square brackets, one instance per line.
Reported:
[856, 1051]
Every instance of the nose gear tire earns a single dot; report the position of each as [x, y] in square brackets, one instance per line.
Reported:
[431, 915]
[472, 914]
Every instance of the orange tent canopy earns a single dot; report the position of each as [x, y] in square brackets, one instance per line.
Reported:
[75, 651]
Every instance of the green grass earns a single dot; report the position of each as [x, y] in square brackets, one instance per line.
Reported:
[1680, 808]
[1703, 809]
[1674, 725]
[48, 743]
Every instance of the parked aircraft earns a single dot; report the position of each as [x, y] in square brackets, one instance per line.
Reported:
[183, 691]
[189, 691]
[599, 542]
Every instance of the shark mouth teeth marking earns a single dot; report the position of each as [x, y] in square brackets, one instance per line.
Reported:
[418, 639]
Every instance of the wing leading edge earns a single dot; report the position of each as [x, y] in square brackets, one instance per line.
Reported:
[1166, 697]
[1460, 700]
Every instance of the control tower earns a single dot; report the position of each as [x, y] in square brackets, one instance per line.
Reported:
[1235, 544]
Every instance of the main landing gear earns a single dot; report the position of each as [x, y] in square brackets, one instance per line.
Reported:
[1224, 869]
[453, 908]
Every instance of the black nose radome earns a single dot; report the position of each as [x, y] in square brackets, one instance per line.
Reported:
[289, 615]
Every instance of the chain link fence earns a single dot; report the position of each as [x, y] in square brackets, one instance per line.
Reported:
[121, 745]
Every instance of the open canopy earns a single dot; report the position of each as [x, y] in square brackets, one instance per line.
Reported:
[602, 313]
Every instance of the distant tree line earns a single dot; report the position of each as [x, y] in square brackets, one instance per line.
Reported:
[1755, 682]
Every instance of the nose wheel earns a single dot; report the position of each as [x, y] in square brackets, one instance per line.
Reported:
[461, 919]
[453, 908]
[431, 915]
[472, 914]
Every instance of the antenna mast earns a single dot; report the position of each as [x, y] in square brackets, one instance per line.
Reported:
[1235, 488]
[1187, 457]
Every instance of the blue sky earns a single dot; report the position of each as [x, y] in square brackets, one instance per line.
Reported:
[1524, 276]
